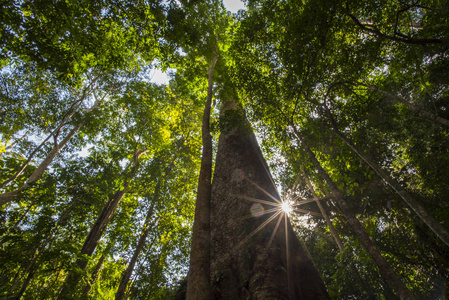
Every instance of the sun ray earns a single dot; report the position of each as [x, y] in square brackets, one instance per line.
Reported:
[263, 190]
[303, 202]
[255, 200]
[309, 200]
[307, 212]
[275, 230]
[258, 229]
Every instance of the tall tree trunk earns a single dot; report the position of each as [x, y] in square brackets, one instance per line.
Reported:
[54, 133]
[433, 224]
[91, 242]
[98, 229]
[33, 266]
[10, 196]
[25, 284]
[199, 271]
[337, 239]
[334, 233]
[385, 269]
[271, 264]
[121, 291]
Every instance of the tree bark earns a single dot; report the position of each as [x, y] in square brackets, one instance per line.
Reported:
[10, 196]
[385, 269]
[54, 133]
[199, 271]
[334, 233]
[337, 239]
[243, 267]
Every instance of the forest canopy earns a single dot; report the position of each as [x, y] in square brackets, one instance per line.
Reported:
[349, 101]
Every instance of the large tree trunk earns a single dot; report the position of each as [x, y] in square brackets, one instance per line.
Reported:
[384, 268]
[271, 264]
[198, 279]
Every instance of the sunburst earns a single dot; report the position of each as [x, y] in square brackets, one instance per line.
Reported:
[280, 208]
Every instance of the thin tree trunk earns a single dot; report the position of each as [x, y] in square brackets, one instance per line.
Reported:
[33, 265]
[385, 269]
[121, 291]
[25, 284]
[337, 239]
[433, 224]
[198, 287]
[92, 240]
[72, 110]
[334, 233]
[98, 229]
[10, 196]
[16, 281]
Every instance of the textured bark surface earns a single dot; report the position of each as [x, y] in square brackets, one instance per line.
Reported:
[199, 271]
[251, 270]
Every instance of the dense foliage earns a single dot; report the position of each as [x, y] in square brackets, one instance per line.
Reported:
[352, 95]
